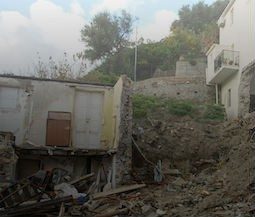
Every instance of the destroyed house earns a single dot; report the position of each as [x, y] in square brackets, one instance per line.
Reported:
[73, 126]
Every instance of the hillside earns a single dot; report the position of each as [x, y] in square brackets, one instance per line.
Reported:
[206, 163]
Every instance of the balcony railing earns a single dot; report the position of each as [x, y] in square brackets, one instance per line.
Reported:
[227, 58]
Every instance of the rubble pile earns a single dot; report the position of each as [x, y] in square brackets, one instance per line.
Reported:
[216, 180]
[182, 167]
[40, 195]
[8, 159]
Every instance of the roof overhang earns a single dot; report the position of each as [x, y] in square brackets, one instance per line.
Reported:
[226, 10]
[211, 49]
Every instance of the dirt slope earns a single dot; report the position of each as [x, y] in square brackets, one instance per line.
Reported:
[208, 165]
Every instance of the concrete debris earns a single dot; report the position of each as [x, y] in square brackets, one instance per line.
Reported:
[161, 212]
[65, 189]
[37, 195]
[208, 171]
[174, 172]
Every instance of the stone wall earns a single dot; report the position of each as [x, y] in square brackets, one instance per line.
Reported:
[183, 88]
[160, 73]
[124, 152]
[247, 90]
[196, 67]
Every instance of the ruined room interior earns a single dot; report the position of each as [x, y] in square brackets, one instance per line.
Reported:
[69, 128]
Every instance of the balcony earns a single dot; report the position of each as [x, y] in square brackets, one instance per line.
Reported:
[226, 64]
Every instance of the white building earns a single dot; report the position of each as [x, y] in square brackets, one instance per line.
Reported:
[236, 50]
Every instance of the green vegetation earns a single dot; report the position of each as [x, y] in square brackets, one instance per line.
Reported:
[107, 41]
[214, 112]
[106, 35]
[143, 106]
[180, 108]
[190, 36]
[98, 77]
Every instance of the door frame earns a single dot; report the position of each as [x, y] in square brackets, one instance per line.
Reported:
[79, 89]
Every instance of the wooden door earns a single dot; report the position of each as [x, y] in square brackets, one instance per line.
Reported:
[58, 129]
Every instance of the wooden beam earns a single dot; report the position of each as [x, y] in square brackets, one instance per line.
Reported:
[118, 190]
[81, 179]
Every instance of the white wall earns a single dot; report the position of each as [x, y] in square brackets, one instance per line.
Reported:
[241, 32]
[14, 107]
[238, 34]
[232, 84]
[27, 112]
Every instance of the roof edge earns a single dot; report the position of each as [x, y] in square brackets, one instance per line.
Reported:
[55, 80]
[226, 10]
[210, 49]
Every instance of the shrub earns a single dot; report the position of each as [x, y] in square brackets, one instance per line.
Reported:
[180, 108]
[214, 112]
[99, 77]
[142, 105]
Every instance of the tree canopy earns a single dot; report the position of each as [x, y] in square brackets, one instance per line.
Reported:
[106, 35]
[107, 38]
[197, 17]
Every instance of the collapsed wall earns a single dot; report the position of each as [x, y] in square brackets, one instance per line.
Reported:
[247, 90]
[124, 151]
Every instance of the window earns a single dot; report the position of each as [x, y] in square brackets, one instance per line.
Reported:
[232, 16]
[229, 97]
[8, 97]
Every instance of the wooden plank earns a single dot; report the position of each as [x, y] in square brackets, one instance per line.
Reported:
[61, 210]
[27, 209]
[81, 179]
[118, 190]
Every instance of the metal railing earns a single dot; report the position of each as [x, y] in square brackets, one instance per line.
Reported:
[226, 58]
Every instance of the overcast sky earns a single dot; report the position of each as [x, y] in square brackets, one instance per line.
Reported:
[52, 27]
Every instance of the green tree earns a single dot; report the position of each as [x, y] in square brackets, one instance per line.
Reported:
[190, 37]
[197, 17]
[106, 35]
[183, 42]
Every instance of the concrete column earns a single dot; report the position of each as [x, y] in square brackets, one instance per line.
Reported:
[217, 93]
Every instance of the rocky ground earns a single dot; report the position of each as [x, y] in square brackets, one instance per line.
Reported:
[208, 166]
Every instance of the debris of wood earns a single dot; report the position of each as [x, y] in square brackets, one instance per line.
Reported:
[81, 179]
[61, 210]
[113, 213]
[118, 190]
[38, 207]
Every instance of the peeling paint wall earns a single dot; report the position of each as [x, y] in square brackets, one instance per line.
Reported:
[27, 116]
